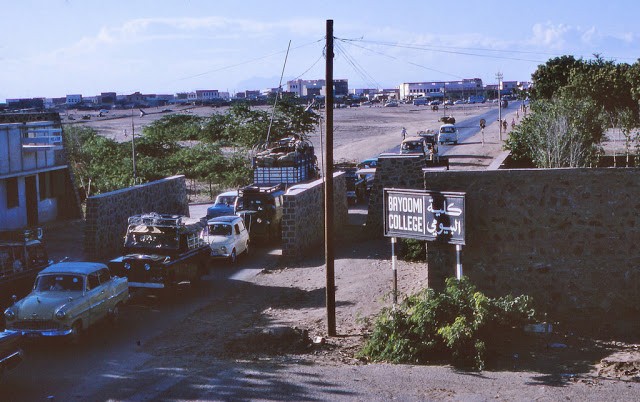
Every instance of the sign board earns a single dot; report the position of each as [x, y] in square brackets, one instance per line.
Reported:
[424, 215]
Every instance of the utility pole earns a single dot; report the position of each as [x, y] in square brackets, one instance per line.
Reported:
[499, 77]
[328, 187]
[133, 149]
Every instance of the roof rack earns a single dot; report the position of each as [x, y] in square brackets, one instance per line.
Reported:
[156, 219]
[254, 189]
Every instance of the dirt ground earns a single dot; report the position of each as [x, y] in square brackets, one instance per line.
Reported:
[259, 322]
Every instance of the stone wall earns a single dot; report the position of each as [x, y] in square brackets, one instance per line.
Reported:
[106, 214]
[568, 237]
[303, 220]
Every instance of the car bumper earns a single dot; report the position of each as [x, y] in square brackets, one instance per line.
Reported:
[32, 333]
[219, 254]
[147, 285]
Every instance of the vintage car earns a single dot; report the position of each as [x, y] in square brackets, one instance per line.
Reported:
[223, 205]
[448, 133]
[162, 251]
[228, 237]
[10, 351]
[262, 210]
[67, 298]
[22, 256]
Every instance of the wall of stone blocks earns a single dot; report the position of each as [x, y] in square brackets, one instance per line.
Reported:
[106, 214]
[303, 220]
[568, 237]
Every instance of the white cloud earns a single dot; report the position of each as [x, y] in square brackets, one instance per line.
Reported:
[549, 35]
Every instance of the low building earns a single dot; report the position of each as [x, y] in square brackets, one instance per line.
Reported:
[35, 182]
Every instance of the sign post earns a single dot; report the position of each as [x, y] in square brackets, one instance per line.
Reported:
[424, 215]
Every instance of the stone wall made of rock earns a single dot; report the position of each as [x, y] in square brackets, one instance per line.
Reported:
[107, 214]
[303, 220]
[568, 237]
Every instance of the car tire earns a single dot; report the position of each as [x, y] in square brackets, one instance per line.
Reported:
[233, 258]
[77, 333]
[114, 315]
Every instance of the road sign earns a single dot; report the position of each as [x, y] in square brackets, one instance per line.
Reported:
[483, 123]
[424, 215]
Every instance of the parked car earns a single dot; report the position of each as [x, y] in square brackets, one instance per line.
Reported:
[10, 351]
[368, 163]
[420, 102]
[223, 205]
[459, 102]
[67, 298]
[228, 237]
[391, 104]
[448, 134]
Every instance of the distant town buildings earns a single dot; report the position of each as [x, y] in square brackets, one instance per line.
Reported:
[306, 89]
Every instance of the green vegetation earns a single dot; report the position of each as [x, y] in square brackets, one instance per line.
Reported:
[460, 324]
[207, 150]
[573, 102]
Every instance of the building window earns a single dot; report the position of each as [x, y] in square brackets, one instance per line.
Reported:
[12, 192]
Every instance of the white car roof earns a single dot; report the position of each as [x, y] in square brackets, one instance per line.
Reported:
[73, 268]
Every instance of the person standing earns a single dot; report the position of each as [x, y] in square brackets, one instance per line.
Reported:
[404, 133]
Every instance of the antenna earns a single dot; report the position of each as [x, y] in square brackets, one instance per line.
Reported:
[279, 86]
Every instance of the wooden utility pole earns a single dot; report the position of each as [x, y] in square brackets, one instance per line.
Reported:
[328, 187]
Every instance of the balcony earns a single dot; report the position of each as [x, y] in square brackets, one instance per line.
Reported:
[42, 139]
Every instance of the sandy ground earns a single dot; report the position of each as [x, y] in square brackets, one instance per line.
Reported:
[288, 295]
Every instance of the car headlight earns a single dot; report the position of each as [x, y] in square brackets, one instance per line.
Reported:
[61, 314]
[147, 267]
[223, 249]
[259, 220]
[9, 314]
[127, 266]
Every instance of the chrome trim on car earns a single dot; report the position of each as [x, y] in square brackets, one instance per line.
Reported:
[146, 285]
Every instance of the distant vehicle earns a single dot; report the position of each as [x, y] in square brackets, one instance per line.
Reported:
[391, 104]
[420, 102]
[434, 103]
[448, 102]
[413, 145]
[68, 298]
[103, 111]
[448, 133]
[368, 163]
[356, 186]
[476, 99]
[459, 102]
[223, 205]
[227, 236]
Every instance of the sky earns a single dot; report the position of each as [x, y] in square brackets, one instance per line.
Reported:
[51, 48]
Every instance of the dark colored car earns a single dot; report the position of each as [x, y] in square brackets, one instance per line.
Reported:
[262, 210]
[10, 352]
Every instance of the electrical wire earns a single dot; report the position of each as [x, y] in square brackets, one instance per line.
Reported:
[357, 67]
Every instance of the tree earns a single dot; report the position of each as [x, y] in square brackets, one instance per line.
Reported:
[561, 133]
[552, 76]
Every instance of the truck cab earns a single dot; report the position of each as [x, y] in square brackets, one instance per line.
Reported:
[261, 207]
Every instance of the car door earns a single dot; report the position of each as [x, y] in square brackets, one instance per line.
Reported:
[97, 297]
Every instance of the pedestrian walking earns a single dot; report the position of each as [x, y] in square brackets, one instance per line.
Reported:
[404, 133]
[513, 123]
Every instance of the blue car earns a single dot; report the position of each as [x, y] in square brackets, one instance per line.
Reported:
[223, 205]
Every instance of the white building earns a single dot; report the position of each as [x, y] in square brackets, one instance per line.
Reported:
[35, 185]
[439, 89]
[74, 99]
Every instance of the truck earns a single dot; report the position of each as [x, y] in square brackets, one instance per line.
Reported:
[289, 160]
[162, 251]
[22, 256]
[261, 207]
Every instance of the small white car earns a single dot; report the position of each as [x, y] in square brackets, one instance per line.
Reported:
[228, 237]
[448, 134]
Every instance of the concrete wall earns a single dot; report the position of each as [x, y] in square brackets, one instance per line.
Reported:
[568, 237]
[107, 214]
[303, 220]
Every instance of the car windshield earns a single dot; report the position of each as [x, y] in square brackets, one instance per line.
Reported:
[448, 130]
[225, 200]
[152, 238]
[220, 229]
[412, 146]
[59, 282]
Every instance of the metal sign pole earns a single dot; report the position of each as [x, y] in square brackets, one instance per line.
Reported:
[394, 260]
[458, 262]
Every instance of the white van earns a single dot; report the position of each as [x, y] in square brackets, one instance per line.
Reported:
[448, 134]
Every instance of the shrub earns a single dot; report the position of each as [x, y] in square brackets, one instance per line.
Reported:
[458, 324]
[412, 250]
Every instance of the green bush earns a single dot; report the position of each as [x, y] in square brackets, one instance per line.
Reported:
[458, 324]
[412, 250]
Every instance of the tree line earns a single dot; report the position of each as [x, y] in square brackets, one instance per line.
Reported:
[214, 150]
[573, 103]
